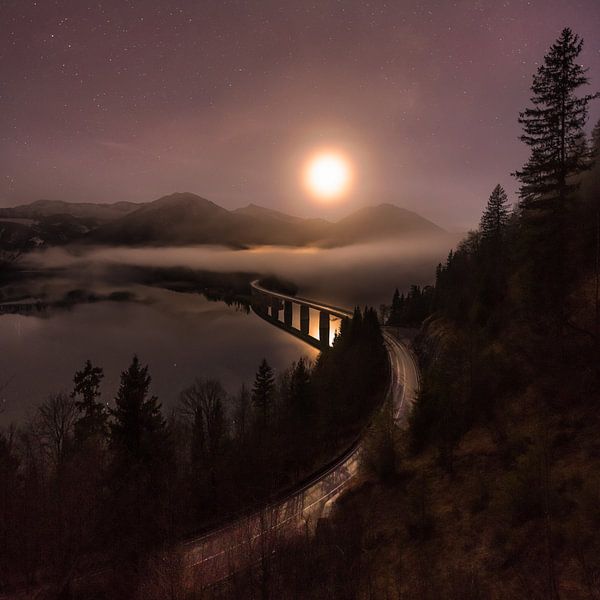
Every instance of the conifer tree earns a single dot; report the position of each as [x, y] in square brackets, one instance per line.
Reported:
[142, 468]
[86, 387]
[264, 390]
[396, 310]
[554, 131]
[300, 393]
[496, 215]
[138, 431]
[553, 127]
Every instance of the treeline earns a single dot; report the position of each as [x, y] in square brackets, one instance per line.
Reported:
[86, 484]
[503, 438]
[503, 433]
[412, 309]
[518, 300]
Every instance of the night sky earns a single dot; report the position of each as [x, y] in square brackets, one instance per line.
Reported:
[122, 100]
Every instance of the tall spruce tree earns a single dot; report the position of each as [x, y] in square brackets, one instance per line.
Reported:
[263, 391]
[300, 396]
[496, 215]
[142, 470]
[554, 126]
[396, 309]
[554, 131]
[138, 430]
[93, 414]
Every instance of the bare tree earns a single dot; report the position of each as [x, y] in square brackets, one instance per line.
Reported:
[202, 404]
[56, 418]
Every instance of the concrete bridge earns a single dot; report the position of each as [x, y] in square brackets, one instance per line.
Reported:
[216, 555]
[293, 314]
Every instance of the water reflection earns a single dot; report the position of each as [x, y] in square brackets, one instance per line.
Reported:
[314, 329]
[180, 336]
[334, 328]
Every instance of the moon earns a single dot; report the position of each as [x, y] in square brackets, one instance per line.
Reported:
[327, 175]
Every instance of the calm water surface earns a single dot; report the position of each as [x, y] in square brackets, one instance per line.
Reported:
[180, 336]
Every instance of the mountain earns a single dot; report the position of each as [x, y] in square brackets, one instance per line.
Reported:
[291, 230]
[81, 210]
[380, 222]
[184, 218]
[180, 218]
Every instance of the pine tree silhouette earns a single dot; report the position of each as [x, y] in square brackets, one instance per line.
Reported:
[553, 127]
[554, 131]
[300, 393]
[496, 215]
[263, 391]
[93, 419]
[138, 429]
[396, 310]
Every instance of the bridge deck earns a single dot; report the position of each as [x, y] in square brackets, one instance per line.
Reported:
[336, 311]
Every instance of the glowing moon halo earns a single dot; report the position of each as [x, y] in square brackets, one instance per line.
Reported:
[327, 175]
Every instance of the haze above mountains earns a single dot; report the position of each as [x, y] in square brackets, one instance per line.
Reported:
[186, 219]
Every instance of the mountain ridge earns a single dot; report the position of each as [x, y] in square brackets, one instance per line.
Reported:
[184, 218]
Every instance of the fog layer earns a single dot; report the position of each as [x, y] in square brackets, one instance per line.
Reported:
[365, 273]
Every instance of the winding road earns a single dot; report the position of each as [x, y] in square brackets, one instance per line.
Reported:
[211, 558]
[242, 543]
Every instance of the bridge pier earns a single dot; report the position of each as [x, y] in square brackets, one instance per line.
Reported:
[304, 319]
[260, 303]
[269, 304]
[287, 313]
[275, 305]
[324, 329]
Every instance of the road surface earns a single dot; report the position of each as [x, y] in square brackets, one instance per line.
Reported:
[214, 556]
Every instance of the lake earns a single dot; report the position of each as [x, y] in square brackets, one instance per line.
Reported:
[180, 335]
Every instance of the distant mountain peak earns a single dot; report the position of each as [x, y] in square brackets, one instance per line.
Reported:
[180, 201]
[255, 210]
[399, 212]
[183, 198]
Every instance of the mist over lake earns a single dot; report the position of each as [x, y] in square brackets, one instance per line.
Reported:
[360, 273]
[183, 335]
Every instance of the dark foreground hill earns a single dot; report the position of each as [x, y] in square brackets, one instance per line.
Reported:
[185, 218]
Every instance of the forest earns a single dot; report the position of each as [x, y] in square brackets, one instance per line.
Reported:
[493, 490]
[89, 483]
